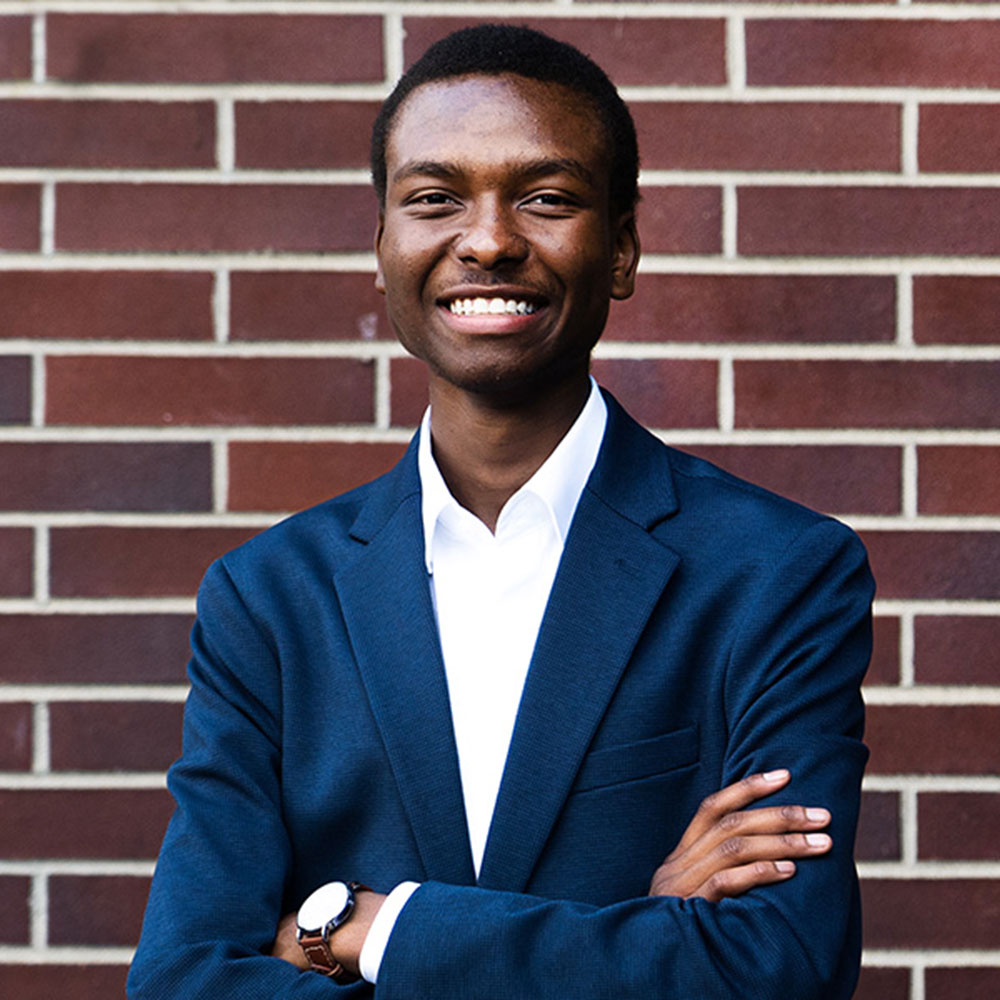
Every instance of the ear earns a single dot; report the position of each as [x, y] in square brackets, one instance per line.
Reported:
[379, 276]
[625, 259]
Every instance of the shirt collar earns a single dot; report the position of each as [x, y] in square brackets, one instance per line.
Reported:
[558, 482]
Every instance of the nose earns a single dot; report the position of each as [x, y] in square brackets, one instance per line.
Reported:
[491, 237]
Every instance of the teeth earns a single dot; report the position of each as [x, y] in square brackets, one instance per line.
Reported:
[492, 307]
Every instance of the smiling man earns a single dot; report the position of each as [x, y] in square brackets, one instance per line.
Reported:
[549, 710]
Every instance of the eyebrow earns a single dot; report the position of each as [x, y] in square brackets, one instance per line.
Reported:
[529, 170]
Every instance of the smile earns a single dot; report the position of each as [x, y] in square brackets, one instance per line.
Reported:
[495, 307]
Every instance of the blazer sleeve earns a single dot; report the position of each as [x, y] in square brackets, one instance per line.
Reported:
[792, 699]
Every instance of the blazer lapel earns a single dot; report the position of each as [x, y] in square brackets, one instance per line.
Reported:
[612, 573]
[387, 608]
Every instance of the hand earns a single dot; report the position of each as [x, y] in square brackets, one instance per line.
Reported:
[725, 852]
[286, 944]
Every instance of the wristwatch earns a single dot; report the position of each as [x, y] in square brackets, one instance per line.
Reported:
[326, 909]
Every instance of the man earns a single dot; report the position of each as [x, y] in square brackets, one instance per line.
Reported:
[524, 686]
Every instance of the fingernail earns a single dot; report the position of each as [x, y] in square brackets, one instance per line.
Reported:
[817, 815]
[785, 866]
[817, 840]
[778, 775]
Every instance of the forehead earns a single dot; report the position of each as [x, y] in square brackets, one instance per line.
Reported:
[494, 119]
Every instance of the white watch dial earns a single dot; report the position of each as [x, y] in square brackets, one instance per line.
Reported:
[327, 902]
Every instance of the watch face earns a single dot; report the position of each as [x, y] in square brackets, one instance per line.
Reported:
[326, 903]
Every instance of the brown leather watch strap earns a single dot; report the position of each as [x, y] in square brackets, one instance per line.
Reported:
[321, 960]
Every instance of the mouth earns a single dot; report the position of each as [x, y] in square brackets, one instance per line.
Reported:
[496, 306]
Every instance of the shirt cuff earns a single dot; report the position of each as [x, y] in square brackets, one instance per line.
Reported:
[378, 934]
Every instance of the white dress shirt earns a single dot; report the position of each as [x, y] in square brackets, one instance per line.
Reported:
[489, 593]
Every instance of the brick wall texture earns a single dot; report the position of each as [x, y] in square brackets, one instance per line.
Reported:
[191, 347]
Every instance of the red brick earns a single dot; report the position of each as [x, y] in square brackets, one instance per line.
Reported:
[962, 983]
[663, 393]
[878, 827]
[884, 666]
[17, 547]
[204, 218]
[214, 48]
[955, 309]
[956, 650]
[883, 984]
[283, 476]
[15, 390]
[958, 480]
[173, 476]
[931, 913]
[702, 135]
[872, 53]
[766, 308]
[136, 562]
[935, 565]
[74, 982]
[15, 738]
[88, 649]
[106, 305]
[83, 823]
[20, 216]
[15, 918]
[958, 826]
[114, 736]
[306, 305]
[938, 739]
[645, 51]
[681, 220]
[96, 909]
[833, 478]
[959, 138]
[50, 133]
[188, 391]
[931, 394]
[408, 399]
[303, 135]
[15, 48]
[869, 221]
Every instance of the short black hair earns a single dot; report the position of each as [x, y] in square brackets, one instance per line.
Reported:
[495, 49]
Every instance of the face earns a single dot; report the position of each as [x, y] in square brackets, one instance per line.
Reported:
[497, 249]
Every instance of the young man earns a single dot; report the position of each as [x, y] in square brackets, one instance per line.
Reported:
[525, 686]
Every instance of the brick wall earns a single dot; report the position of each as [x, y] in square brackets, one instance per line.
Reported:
[190, 346]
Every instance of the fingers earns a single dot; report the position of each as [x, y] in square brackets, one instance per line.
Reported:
[736, 881]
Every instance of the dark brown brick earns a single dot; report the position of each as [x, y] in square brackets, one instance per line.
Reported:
[878, 827]
[958, 480]
[106, 305]
[884, 667]
[283, 476]
[939, 913]
[15, 48]
[15, 390]
[137, 562]
[883, 984]
[17, 546]
[303, 135]
[96, 909]
[214, 48]
[955, 309]
[110, 390]
[408, 399]
[114, 736]
[962, 983]
[173, 476]
[89, 649]
[956, 650]
[766, 308]
[868, 221]
[959, 138]
[958, 826]
[703, 135]
[638, 51]
[935, 565]
[15, 738]
[681, 220]
[42, 982]
[872, 53]
[663, 393]
[933, 739]
[15, 917]
[83, 823]
[931, 394]
[306, 305]
[51, 133]
[20, 217]
[204, 218]
[834, 478]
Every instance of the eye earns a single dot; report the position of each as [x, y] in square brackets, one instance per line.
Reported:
[550, 203]
[431, 202]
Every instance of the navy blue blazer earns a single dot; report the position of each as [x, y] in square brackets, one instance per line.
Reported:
[699, 629]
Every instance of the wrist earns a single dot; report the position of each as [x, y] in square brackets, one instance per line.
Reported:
[347, 940]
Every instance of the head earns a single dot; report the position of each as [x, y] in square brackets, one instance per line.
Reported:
[499, 49]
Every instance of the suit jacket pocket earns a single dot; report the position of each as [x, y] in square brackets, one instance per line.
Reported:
[635, 761]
